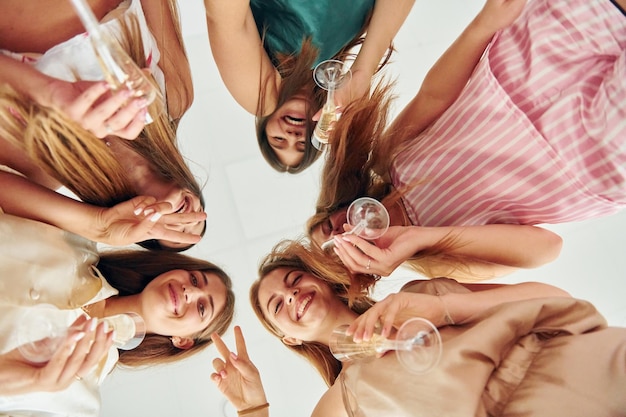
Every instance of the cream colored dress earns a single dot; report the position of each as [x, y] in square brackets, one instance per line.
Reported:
[41, 264]
[547, 357]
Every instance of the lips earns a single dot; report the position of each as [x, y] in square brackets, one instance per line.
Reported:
[294, 121]
[303, 305]
[174, 298]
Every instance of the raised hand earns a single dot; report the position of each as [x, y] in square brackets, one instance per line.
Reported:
[142, 218]
[388, 252]
[235, 375]
[394, 310]
[92, 105]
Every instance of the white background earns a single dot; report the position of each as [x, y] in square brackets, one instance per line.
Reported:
[250, 208]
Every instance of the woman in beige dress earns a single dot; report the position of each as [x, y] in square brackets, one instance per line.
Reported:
[508, 350]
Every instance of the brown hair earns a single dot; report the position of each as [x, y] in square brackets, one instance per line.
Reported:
[351, 289]
[296, 75]
[130, 271]
[357, 165]
[82, 162]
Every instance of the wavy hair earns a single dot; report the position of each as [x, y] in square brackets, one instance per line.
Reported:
[358, 164]
[351, 289]
[130, 271]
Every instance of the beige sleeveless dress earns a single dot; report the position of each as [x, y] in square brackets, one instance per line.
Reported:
[544, 357]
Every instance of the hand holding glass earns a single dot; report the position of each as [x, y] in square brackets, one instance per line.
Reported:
[119, 69]
[328, 75]
[368, 217]
[417, 345]
[42, 330]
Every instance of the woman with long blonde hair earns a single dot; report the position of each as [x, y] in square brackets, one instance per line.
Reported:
[51, 126]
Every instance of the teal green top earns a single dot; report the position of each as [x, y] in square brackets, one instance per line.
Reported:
[331, 24]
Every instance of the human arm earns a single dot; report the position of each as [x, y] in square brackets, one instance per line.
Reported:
[486, 251]
[138, 219]
[83, 347]
[457, 307]
[238, 52]
[237, 378]
[387, 18]
[449, 75]
[88, 103]
[165, 27]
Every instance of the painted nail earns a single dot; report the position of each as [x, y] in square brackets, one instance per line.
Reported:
[155, 217]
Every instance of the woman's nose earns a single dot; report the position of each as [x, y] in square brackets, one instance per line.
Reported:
[292, 296]
[191, 293]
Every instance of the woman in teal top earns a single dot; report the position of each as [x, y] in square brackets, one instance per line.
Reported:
[265, 49]
[331, 24]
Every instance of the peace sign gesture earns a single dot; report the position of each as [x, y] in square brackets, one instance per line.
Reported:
[236, 376]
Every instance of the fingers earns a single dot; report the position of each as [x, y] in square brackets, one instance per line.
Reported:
[242, 350]
[100, 346]
[127, 121]
[104, 113]
[82, 349]
[79, 107]
[184, 218]
[353, 256]
[220, 345]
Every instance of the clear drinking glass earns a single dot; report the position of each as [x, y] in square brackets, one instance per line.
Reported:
[120, 71]
[43, 328]
[328, 75]
[417, 345]
[368, 217]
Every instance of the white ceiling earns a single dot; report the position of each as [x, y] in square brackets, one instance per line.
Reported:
[250, 208]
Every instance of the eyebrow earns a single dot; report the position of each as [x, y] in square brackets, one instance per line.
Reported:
[206, 282]
[267, 306]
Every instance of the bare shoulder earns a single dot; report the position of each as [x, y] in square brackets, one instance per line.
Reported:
[331, 403]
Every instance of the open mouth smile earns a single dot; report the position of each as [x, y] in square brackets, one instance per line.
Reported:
[293, 121]
[303, 305]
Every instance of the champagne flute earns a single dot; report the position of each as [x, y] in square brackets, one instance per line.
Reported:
[119, 69]
[43, 328]
[368, 217]
[328, 75]
[417, 344]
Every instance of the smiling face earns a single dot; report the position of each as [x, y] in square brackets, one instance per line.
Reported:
[300, 305]
[332, 226]
[286, 131]
[182, 303]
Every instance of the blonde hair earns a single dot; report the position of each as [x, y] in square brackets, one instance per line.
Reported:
[130, 271]
[82, 162]
[350, 289]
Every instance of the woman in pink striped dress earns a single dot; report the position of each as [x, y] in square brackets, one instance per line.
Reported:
[530, 130]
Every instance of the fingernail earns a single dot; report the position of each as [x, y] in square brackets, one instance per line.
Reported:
[233, 356]
[141, 103]
[148, 212]
[345, 238]
[138, 211]
[155, 217]
[79, 336]
[223, 374]
[93, 323]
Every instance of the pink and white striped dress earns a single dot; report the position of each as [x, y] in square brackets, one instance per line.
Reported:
[539, 133]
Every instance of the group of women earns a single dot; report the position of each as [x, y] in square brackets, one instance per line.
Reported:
[520, 122]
